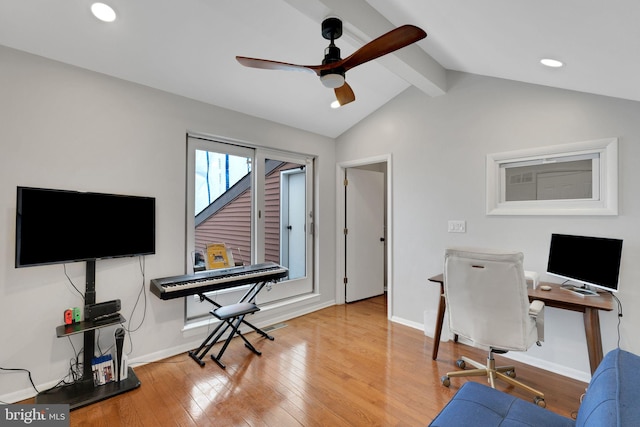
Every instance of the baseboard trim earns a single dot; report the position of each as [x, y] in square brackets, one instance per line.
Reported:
[556, 368]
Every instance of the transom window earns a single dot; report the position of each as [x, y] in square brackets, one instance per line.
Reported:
[572, 179]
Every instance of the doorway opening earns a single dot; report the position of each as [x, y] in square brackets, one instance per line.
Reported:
[363, 248]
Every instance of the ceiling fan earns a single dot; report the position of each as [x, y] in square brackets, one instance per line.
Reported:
[333, 68]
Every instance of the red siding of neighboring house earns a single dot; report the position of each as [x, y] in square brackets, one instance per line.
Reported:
[272, 216]
[230, 225]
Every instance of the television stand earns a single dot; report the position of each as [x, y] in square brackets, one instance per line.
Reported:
[83, 392]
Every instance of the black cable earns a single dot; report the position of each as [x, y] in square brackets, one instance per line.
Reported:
[75, 367]
[71, 281]
[22, 370]
[619, 314]
[107, 350]
[76, 370]
[98, 342]
[141, 293]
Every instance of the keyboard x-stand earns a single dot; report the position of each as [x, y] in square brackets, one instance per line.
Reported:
[230, 316]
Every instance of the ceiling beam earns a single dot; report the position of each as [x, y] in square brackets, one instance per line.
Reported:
[363, 23]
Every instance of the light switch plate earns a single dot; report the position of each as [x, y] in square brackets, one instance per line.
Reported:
[457, 226]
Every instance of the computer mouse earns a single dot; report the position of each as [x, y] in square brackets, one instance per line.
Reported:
[545, 287]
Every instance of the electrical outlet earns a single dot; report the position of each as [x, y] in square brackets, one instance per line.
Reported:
[457, 226]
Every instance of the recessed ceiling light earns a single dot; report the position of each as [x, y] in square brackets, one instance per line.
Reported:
[103, 12]
[554, 63]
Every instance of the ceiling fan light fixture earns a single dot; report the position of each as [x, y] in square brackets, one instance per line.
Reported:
[332, 81]
[103, 12]
[333, 68]
[335, 104]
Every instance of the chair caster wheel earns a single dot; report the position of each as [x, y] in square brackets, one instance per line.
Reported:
[540, 402]
[512, 374]
[461, 364]
[445, 381]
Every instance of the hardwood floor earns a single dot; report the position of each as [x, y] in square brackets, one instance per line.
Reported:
[341, 366]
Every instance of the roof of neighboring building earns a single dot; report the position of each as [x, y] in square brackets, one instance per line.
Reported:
[232, 193]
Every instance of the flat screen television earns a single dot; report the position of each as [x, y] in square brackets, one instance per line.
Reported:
[60, 226]
[592, 261]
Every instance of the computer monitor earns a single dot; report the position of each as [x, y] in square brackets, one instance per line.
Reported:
[592, 261]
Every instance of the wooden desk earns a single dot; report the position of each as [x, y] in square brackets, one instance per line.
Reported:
[557, 298]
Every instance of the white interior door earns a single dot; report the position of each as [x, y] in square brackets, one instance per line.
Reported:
[364, 236]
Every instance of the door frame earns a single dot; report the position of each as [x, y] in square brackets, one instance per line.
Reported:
[340, 215]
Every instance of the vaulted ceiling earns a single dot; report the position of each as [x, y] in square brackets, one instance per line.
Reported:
[188, 47]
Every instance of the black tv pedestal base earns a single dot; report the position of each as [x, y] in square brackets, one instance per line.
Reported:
[83, 393]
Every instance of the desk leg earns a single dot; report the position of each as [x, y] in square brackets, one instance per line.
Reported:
[594, 339]
[442, 305]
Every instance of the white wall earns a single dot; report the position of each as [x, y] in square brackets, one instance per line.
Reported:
[64, 127]
[438, 147]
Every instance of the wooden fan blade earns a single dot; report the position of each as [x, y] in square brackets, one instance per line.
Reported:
[344, 94]
[267, 64]
[386, 43]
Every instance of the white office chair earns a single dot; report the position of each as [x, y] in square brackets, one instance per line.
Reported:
[487, 302]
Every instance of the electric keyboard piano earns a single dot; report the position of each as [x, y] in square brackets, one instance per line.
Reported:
[212, 280]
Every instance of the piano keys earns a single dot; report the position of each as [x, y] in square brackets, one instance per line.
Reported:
[212, 280]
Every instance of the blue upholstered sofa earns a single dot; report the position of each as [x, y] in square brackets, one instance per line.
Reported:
[612, 399]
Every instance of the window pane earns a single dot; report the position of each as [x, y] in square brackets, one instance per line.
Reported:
[223, 205]
[550, 181]
[216, 173]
